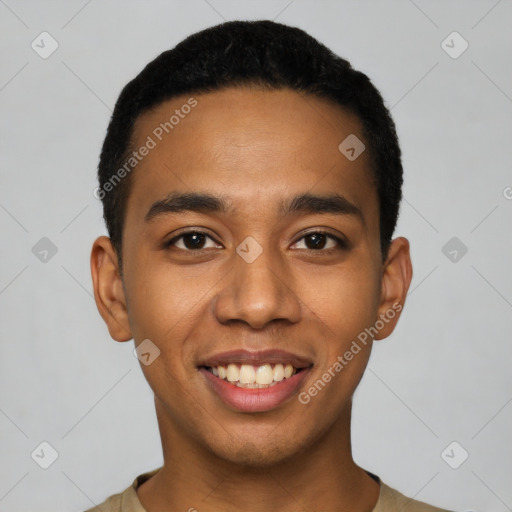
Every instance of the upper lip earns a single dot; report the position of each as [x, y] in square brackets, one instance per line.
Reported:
[256, 358]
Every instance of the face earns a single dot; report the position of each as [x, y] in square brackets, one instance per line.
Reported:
[251, 260]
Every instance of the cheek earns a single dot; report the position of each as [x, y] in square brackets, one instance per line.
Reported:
[163, 299]
[165, 306]
[343, 307]
[345, 299]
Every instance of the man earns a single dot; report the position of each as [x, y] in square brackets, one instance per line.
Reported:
[251, 183]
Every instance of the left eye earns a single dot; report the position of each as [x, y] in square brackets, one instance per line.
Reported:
[318, 241]
[193, 241]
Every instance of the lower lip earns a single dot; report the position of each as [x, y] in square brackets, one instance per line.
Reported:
[255, 400]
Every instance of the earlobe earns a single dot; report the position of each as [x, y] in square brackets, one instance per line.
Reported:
[396, 278]
[108, 289]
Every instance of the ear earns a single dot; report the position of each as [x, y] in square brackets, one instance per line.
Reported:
[396, 278]
[108, 289]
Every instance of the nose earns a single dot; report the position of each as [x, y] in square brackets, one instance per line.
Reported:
[257, 293]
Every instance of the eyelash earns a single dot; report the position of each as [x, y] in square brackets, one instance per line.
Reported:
[341, 243]
[185, 233]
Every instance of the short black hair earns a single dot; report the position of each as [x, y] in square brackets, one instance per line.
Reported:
[251, 53]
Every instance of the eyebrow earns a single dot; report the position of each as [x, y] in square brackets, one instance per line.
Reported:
[207, 203]
[182, 202]
[309, 203]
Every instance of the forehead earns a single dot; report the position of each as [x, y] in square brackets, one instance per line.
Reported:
[252, 145]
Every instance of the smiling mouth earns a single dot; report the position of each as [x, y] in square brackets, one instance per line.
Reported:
[250, 376]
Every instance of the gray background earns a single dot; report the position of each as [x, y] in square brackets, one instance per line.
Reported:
[443, 376]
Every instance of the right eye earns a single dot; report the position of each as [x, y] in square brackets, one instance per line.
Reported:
[193, 241]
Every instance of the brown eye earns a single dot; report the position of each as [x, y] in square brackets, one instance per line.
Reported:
[193, 241]
[317, 241]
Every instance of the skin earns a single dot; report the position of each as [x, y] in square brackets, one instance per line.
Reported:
[254, 148]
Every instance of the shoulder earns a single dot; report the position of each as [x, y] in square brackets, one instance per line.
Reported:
[111, 504]
[126, 501]
[391, 500]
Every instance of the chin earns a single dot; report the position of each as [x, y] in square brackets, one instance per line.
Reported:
[257, 453]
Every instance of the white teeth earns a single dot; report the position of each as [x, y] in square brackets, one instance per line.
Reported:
[278, 372]
[233, 373]
[249, 376]
[264, 374]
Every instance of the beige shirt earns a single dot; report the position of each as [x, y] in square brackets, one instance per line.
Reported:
[389, 499]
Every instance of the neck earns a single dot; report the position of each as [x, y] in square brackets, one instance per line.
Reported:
[322, 477]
